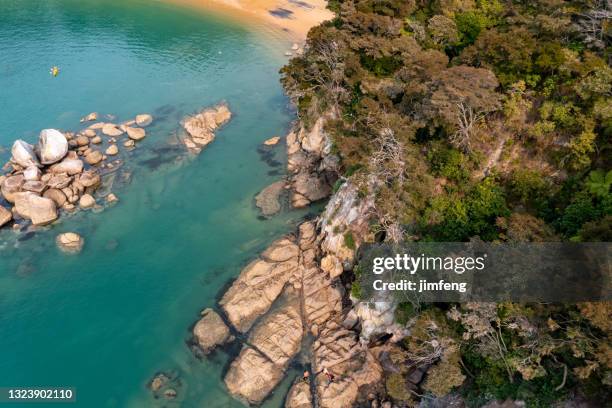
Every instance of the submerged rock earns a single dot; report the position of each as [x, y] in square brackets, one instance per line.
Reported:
[52, 146]
[40, 210]
[268, 200]
[110, 129]
[70, 242]
[23, 154]
[272, 141]
[112, 150]
[210, 331]
[91, 117]
[144, 120]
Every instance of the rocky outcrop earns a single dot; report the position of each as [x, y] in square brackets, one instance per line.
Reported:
[200, 128]
[259, 284]
[268, 200]
[210, 331]
[252, 376]
[273, 342]
[313, 169]
[52, 146]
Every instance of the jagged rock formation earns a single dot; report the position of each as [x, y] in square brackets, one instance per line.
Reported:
[311, 165]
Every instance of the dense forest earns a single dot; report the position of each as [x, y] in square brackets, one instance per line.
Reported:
[476, 118]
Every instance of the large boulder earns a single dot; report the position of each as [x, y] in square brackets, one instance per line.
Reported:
[40, 210]
[58, 197]
[259, 284]
[23, 154]
[210, 331]
[68, 166]
[5, 216]
[10, 186]
[135, 133]
[52, 146]
[252, 376]
[110, 129]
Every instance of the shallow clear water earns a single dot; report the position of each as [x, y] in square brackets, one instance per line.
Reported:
[106, 320]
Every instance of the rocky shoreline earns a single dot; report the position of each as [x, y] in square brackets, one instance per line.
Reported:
[291, 303]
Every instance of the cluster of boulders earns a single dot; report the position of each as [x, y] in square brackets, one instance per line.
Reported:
[62, 171]
[200, 128]
[278, 301]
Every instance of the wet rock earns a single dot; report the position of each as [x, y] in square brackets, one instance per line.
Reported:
[89, 133]
[97, 126]
[144, 120]
[158, 382]
[82, 140]
[110, 129]
[272, 141]
[5, 216]
[23, 154]
[10, 186]
[259, 284]
[128, 143]
[268, 200]
[40, 210]
[52, 146]
[299, 395]
[111, 198]
[70, 166]
[32, 173]
[94, 157]
[58, 197]
[87, 201]
[70, 242]
[170, 393]
[136, 134]
[90, 178]
[210, 331]
[96, 140]
[112, 150]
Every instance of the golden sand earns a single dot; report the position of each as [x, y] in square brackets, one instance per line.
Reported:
[295, 17]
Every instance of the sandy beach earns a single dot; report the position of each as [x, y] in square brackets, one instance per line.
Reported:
[295, 17]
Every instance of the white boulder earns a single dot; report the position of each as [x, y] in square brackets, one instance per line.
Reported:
[23, 154]
[52, 146]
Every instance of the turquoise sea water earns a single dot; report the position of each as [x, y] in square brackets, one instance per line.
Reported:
[105, 321]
